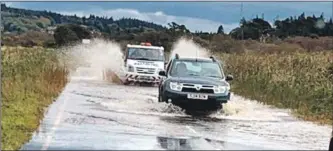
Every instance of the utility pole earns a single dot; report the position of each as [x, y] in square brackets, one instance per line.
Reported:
[241, 20]
[242, 31]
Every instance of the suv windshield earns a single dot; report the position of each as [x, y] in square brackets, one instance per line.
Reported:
[188, 68]
[145, 54]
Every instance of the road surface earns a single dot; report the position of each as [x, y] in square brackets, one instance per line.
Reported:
[90, 114]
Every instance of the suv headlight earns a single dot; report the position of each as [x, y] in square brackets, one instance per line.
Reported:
[130, 68]
[175, 86]
[221, 89]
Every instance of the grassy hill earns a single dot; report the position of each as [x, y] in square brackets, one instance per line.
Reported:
[16, 20]
[22, 20]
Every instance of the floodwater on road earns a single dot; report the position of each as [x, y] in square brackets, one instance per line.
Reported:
[90, 114]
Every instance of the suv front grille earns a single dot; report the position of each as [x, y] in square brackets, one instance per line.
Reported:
[187, 87]
[145, 70]
[202, 90]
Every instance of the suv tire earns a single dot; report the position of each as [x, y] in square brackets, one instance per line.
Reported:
[161, 98]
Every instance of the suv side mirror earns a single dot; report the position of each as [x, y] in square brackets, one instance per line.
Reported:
[229, 78]
[162, 73]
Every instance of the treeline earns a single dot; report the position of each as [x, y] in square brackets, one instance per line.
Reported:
[310, 26]
[25, 21]
[22, 20]
[69, 34]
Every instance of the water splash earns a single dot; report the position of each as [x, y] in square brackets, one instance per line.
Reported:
[188, 48]
[90, 60]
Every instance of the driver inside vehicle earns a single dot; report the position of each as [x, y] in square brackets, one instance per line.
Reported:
[138, 53]
[150, 54]
[181, 69]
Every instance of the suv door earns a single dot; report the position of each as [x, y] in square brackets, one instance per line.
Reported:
[330, 148]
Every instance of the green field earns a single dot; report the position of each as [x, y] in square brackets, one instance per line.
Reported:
[302, 81]
[31, 79]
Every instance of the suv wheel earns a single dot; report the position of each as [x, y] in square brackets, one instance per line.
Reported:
[159, 98]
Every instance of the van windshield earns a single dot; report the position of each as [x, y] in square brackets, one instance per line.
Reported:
[145, 54]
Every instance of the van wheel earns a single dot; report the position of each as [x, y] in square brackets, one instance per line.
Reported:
[126, 82]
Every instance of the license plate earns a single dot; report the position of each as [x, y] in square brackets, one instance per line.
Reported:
[197, 96]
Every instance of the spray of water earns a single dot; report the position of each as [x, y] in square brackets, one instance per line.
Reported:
[90, 60]
[188, 48]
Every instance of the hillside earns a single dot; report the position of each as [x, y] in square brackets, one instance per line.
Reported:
[22, 20]
[17, 20]
[29, 27]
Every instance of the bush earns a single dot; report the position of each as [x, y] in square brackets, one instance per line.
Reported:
[312, 44]
[28, 39]
[222, 43]
[63, 35]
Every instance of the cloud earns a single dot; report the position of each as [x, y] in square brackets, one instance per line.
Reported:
[12, 4]
[8, 3]
[159, 17]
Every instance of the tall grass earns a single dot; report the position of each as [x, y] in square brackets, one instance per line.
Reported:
[31, 79]
[301, 81]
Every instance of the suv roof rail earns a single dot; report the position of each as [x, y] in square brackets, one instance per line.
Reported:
[213, 58]
[176, 56]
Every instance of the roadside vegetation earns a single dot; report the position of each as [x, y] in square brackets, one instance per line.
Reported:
[301, 81]
[31, 79]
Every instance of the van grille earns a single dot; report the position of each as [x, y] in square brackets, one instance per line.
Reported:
[145, 70]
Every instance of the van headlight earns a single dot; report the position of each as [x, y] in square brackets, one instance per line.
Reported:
[221, 89]
[130, 68]
[175, 86]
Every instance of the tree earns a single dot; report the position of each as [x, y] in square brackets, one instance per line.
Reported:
[252, 29]
[40, 25]
[81, 32]
[220, 30]
[84, 19]
[63, 35]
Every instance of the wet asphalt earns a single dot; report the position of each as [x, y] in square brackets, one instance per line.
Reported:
[90, 114]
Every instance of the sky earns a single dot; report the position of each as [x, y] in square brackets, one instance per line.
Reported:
[196, 16]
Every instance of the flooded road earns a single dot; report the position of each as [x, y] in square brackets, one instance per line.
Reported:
[94, 115]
